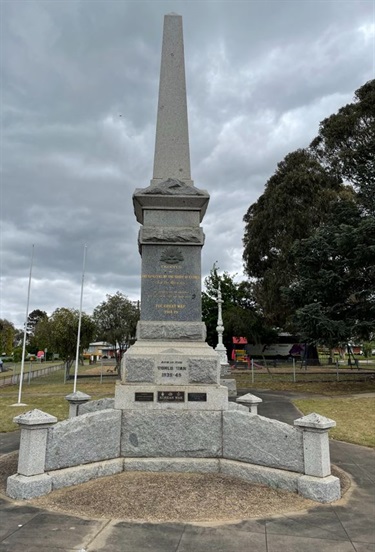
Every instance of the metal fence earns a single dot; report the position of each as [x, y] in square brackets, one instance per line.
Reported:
[29, 374]
[301, 372]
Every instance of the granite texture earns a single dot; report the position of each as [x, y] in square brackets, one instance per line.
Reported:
[35, 419]
[279, 479]
[324, 490]
[80, 474]
[172, 155]
[204, 370]
[231, 385]
[88, 438]
[192, 465]
[171, 433]
[235, 406]
[315, 421]
[216, 398]
[95, 406]
[258, 440]
[316, 453]
[32, 452]
[139, 369]
[173, 331]
[171, 283]
[21, 487]
[177, 235]
[170, 217]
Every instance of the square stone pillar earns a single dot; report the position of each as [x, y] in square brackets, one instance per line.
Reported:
[75, 400]
[31, 481]
[315, 444]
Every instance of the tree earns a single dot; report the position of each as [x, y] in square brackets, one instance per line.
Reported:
[33, 319]
[296, 200]
[7, 333]
[59, 333]
[240, 316]
[116, 321]
[345, 144]
[333, 291]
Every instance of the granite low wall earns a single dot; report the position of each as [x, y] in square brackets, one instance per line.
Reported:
[232, 442]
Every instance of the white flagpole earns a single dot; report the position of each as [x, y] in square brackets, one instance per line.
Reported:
[79, 320]
[25, 333]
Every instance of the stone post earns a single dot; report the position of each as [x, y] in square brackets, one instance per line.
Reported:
[251, 401]
[315, 444]
[31, 481]
[75, 400]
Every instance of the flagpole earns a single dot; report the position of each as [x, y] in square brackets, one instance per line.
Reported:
[79, 320]
[25, 333]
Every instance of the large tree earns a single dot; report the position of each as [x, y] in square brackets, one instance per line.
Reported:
[59, 333]
[7, 334]
[116, 321]
[345, 144]
[33, 319]
[296, 200]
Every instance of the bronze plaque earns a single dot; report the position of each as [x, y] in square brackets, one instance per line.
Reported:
[197, 397]
[171, 396]
[144, 397]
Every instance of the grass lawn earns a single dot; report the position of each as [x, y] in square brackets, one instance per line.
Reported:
[48, 394]
[355, 417]
[284, 383]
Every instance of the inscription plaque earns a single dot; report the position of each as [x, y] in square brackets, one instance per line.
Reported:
[144, 397]
[171, 396]
[197, 397]
[171, 370]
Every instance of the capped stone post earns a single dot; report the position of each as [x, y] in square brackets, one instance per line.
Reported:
[315, 444]
[75, 400]
[30, 480]
[251, 401]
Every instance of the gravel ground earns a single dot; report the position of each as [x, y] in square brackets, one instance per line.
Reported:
[174, 497]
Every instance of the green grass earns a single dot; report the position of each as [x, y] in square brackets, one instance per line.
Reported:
[355, 417]
[47, 393]
[280, 382]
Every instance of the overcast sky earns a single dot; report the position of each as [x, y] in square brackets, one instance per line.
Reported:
[78, 106]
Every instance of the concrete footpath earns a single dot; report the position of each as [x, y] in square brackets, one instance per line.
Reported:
[345, 526]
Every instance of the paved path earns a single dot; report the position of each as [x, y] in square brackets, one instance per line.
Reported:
[347, 526]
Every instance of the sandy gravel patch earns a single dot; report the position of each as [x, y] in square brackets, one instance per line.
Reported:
[173, 497]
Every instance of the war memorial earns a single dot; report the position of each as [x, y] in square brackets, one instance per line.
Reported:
[170, 411]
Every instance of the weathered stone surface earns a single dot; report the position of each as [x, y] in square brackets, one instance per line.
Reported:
[171, 433]
[324, 490]
[258, 440]
[21, 487]
[315, 421]
[78, 397]
[95, 406]
[176, 331]
[316, 453]
[204, 370]
[88, 438]
[80, 474]
[138, 369]
[170, 217]
[198, 465]
[155, 234]
[279, 479]
[231, 385]
[235, 406]
[32, 453]
[36, 418]
[216, 397]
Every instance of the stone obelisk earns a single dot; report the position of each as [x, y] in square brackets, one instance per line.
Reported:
[170, 361]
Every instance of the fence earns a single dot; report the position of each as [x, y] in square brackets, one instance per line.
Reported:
[14, 379]
[259, 371]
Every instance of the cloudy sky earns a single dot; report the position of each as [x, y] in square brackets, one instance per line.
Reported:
[78, 106]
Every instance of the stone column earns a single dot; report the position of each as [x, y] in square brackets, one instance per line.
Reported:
[250, 401]
[315, 444]
[75, 400]
[31, 481]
